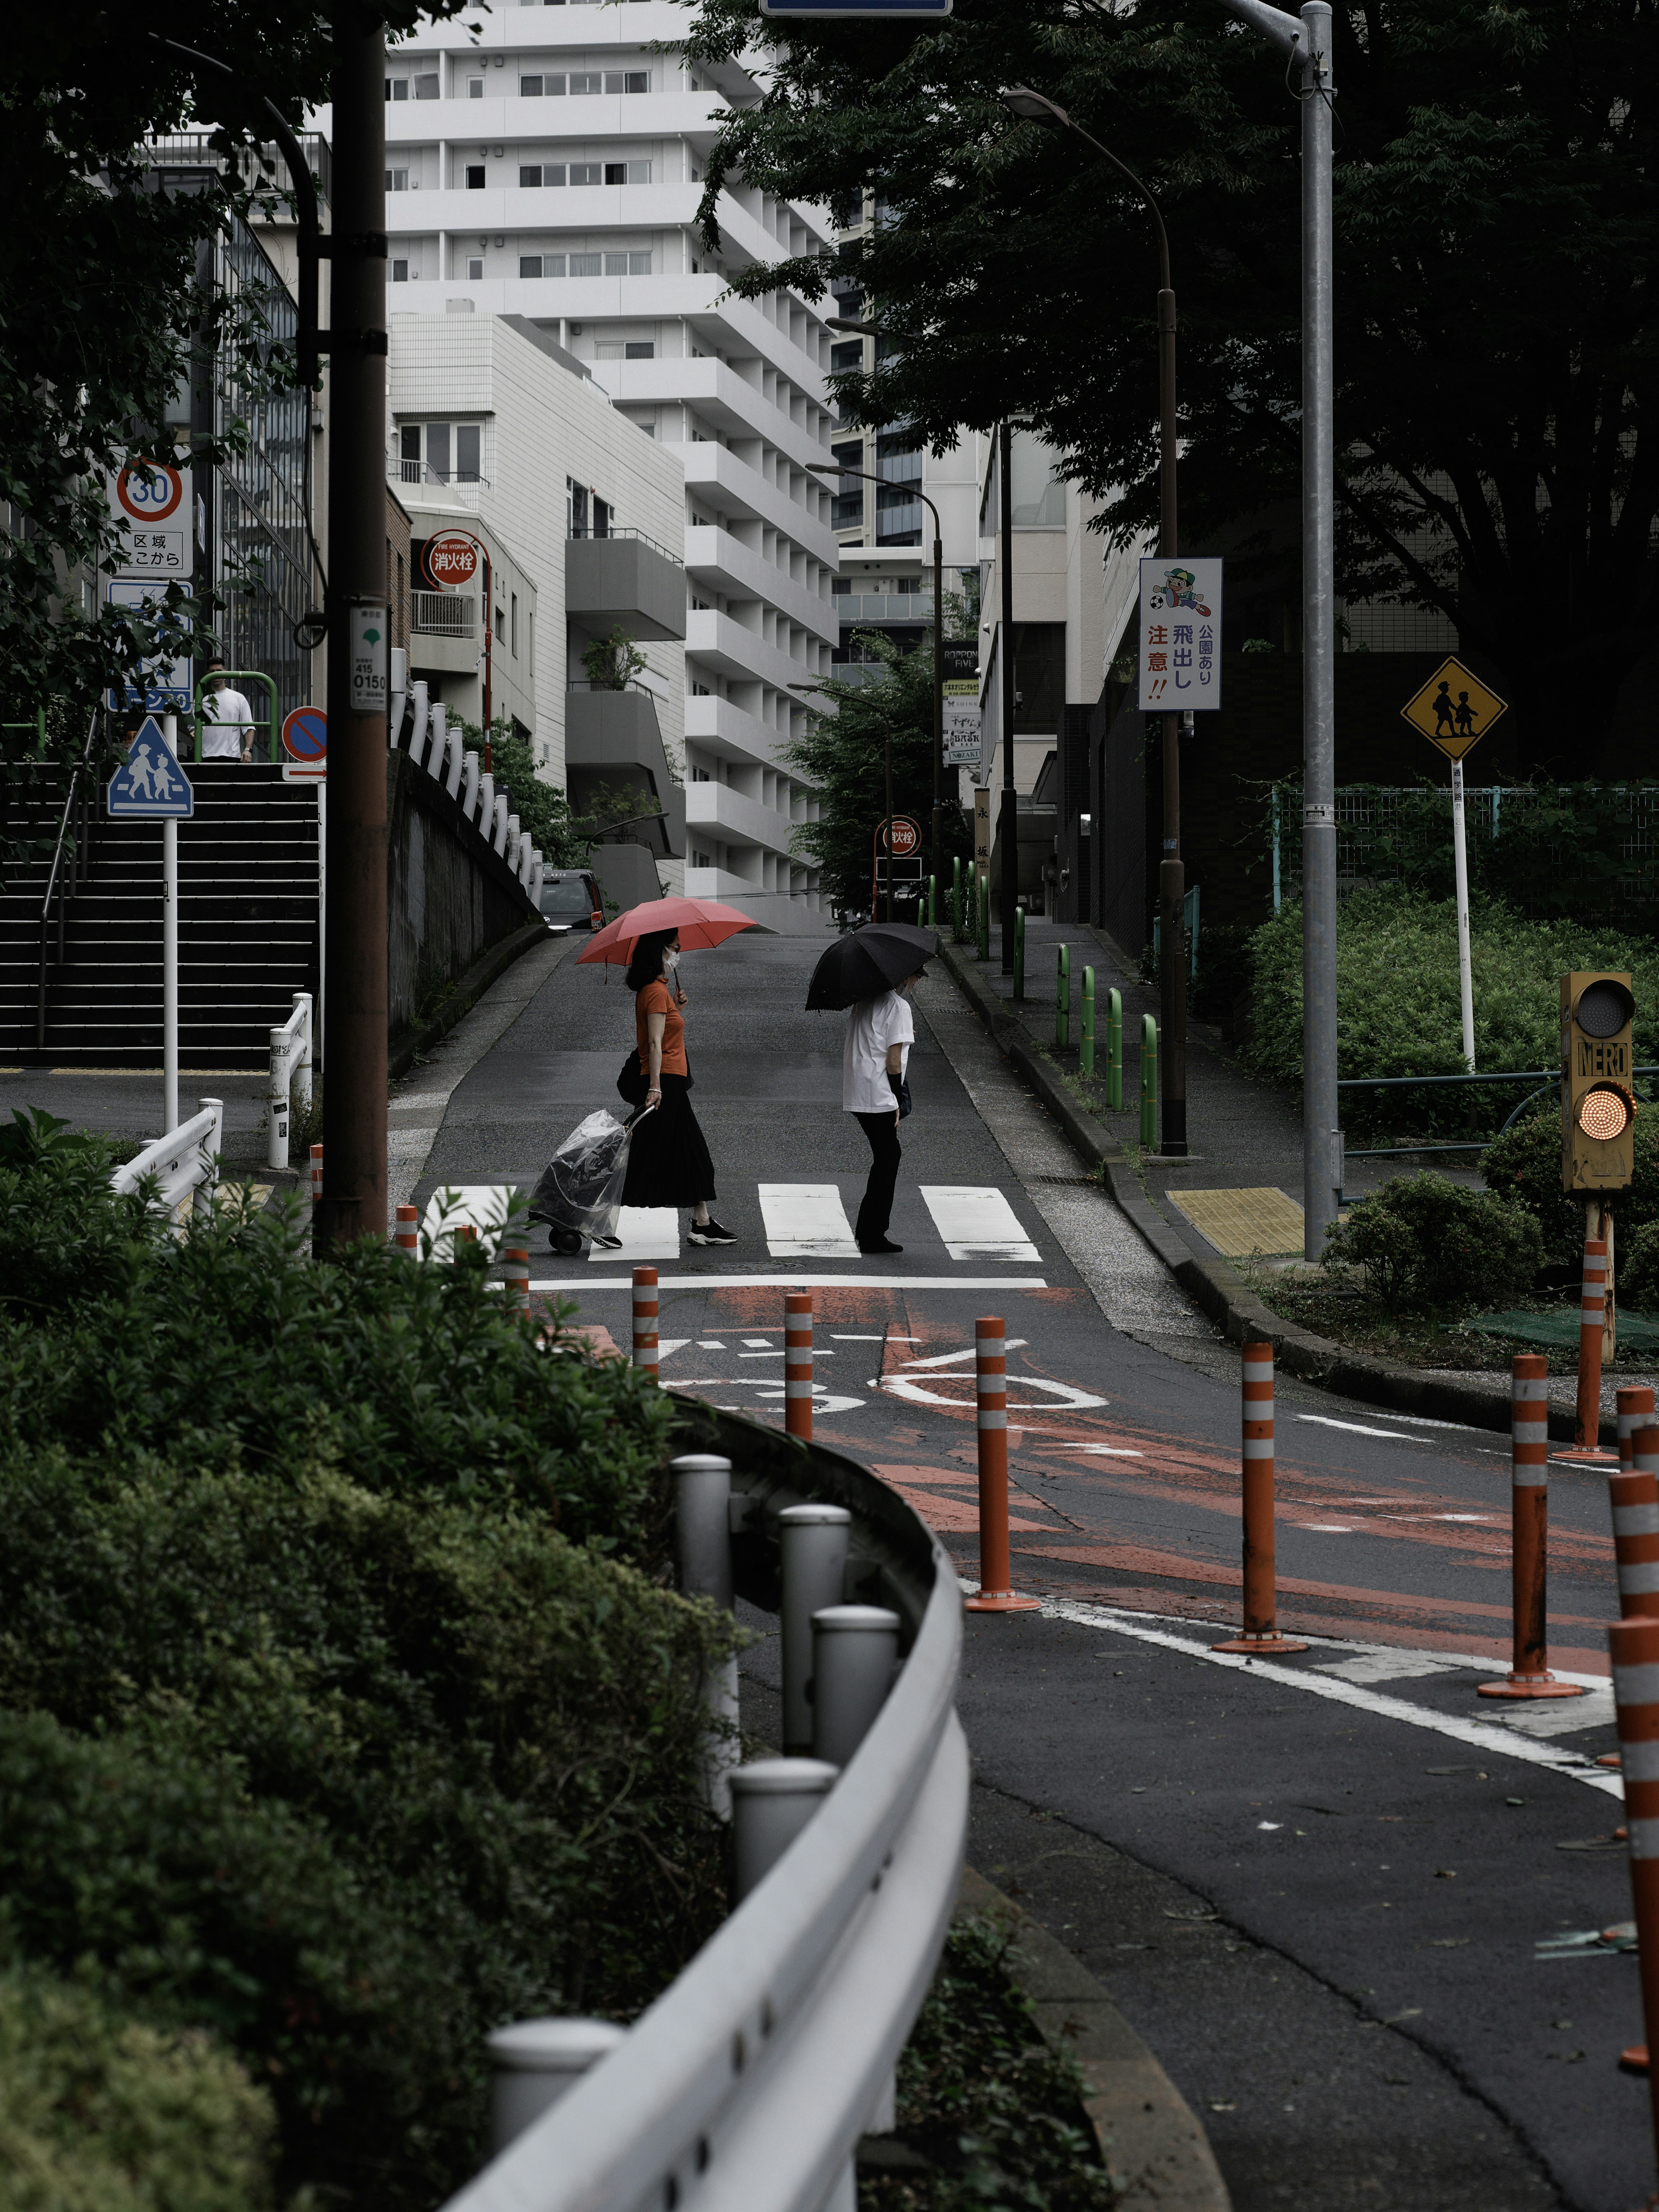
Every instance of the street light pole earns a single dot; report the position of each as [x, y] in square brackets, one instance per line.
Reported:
[836, 468]
[1308, 43]
[1008, 813]
[1036, 107]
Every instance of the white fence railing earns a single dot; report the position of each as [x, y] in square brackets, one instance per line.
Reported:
[746, 2086]
[186, 1161]
[290, 1078]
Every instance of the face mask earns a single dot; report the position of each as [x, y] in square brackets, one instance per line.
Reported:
[671, 960]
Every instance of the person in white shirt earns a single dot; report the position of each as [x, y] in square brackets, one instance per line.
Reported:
[226, 722]
[875, 1054]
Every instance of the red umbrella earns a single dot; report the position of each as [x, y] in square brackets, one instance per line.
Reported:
[700, 922]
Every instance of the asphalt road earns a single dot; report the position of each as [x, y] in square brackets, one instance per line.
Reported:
[1318, 1888]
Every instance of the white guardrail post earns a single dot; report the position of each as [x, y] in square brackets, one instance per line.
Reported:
[185, 1162]
[290, 1076]
[746, 2086]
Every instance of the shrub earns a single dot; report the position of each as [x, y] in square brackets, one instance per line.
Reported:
[1635, 1266]
[1524, 1164]
[1397, 997]
[99, 2113]
[1429, 1245]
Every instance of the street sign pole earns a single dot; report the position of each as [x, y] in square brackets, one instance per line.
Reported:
[170, 954]
[353, 1199]
[1465, 974]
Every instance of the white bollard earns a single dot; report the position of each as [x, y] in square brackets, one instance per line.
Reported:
[439, 745]
[703, 1525]
[772, 1800]
[420, 708]
[398, 688]
[535, 2062]
[457, 761]
[470, 775]
[813, 1540]
[486, 813]
[855, 1651]
[497, 832]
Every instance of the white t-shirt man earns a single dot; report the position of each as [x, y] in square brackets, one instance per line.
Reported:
[226, 726]
[871, 1025]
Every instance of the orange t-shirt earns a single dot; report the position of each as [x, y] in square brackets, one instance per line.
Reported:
[656, 999]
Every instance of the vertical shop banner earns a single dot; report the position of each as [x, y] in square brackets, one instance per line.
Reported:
[1180, 651]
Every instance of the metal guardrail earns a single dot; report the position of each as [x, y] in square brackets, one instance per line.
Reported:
[290, 1076]
[444, 614]
[746, 2086]
[626, 530]
[185, 1160]
[1541, 1078]
[64, 881]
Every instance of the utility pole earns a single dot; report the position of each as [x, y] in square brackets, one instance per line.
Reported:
[1008, 819]
[354, 1201]
[1307, 43]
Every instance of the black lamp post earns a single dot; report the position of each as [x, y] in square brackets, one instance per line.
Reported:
[1035, 107]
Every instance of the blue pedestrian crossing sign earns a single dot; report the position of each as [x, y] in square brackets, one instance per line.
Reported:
[836, 11]
[149, 786]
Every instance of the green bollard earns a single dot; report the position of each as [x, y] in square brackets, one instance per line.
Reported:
[1148, 1084]
[1115, 1051]
[933, 901]
[958, 931]
[1063, 998]
[983, 887]
[1086, 1050]
[1019, 952]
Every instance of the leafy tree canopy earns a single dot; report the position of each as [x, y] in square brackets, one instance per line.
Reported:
[1496, 230]
[101, 310]
[843, 754]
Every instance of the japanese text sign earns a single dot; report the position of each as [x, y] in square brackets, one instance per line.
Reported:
[1179, 656]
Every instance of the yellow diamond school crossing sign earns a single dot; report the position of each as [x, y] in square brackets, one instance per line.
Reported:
[1453, 710]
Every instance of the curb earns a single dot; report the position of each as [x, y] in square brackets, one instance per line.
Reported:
[464, 995]
[1157, 2151]
[1216, 1286]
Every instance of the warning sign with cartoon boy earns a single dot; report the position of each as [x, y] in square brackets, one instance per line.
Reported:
[1179, 657]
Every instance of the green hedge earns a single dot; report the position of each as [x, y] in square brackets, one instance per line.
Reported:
[1398, 1011]
[1431, 1246]
[318, 1731]
[1525, 1163]
[99, 2113]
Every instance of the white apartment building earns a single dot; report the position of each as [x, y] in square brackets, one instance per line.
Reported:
[546, 163]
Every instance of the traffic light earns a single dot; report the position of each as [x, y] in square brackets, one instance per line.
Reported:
[1598, 1099]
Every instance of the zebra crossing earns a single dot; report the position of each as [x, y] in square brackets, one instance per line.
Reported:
[974, 1222]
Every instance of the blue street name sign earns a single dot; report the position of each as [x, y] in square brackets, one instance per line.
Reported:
[150, 786]
[836, 11]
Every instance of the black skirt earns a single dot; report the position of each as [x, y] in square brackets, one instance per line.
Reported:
[668, 1161]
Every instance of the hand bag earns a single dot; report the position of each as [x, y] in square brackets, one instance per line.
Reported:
[631, 1085]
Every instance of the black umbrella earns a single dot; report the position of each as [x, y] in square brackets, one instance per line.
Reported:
[873, 959]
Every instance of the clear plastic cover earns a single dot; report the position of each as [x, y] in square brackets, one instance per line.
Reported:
[580, 1190]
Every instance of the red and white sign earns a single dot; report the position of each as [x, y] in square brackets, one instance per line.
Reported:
[906, 836]
[149, 491]
[452, 559]
[305, 745]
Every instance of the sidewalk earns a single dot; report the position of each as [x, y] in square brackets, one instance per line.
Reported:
[1245, 1135]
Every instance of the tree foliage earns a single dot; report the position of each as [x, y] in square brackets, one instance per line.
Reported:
[844, 757]
[1497, 211]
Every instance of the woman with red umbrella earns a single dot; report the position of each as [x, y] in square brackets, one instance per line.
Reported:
[668, 1161]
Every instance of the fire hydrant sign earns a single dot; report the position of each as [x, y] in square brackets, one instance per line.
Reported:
[1180, 648]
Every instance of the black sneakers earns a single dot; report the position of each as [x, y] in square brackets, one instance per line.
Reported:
[885, 1245]
[709, 1232]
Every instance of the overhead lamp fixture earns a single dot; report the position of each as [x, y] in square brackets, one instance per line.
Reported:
[1031, 106]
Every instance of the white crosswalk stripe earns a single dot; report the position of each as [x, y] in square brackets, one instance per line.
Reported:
[806, 1221]
[647, 1233]
[977, 1222]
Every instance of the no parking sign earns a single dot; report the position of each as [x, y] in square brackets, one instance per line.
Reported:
[305, 746]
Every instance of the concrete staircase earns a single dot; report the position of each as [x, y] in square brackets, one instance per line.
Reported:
[248, 927]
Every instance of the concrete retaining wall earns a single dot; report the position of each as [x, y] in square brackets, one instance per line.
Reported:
[450, 896]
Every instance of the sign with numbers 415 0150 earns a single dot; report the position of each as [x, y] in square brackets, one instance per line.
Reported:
[1179, 654]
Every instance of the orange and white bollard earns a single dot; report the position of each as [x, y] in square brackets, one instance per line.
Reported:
[1635, 1648]
[409, 1235]
[798, 1365]
[1635, 1411]
[1635, 1499]
[991, 1394]
[1592, 1320]
[1261, 1574]
[645, 1319]
[517, 1257]
[1529, 1675]
[316, 1175]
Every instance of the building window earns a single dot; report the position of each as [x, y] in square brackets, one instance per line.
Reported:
[627, 172]
[699, 775]
[515, 625]
[587, 264]
[529, 265]
[530, 180]
[396, 180]
[625, 265]
[846, 357]
[585, 172]
[530, 87]
[426, 88]
[500, 625]
[475, 177]
[575, 507]
[475, 87]
[400, 272]
[397, 87]
[584, 83]
[639, 350]
[433, 444]
[628, 81]
[475, 268]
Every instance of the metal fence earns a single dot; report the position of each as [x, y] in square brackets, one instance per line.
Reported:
[746, 2086]
[444, 614]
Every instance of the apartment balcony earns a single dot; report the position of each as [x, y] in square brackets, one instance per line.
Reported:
[625, 580]
[734, 818]
[730, 732]
[612, 738]
[873, 607]
[719, 642]
[715, 561]
[444, 614]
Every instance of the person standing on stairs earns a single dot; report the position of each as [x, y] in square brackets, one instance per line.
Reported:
[668, 1161]
[225, 725]
[875, 1055]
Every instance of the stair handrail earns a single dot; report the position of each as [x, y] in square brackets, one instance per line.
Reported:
[77, 770]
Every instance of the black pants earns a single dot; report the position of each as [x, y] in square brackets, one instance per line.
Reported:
[876, 1211]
